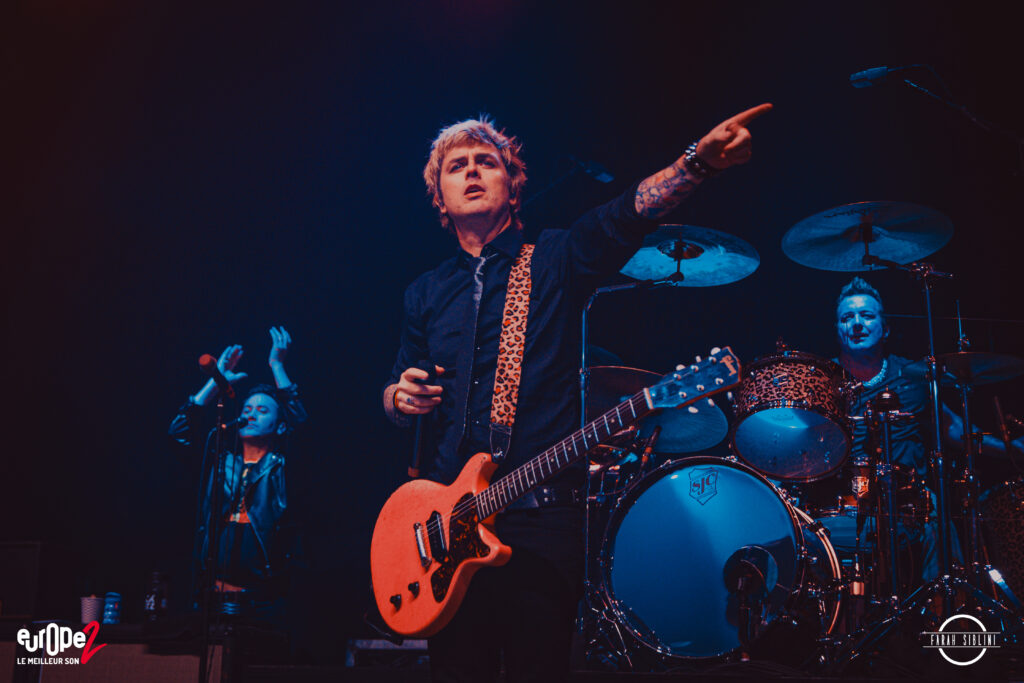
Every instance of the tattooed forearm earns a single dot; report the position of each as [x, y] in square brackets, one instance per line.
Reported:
[664, 191]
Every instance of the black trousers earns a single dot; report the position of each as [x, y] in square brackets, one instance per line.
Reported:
[522, 614]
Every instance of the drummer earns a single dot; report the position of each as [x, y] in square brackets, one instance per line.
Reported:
[862, 332]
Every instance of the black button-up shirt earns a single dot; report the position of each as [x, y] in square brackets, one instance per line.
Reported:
[439, 311]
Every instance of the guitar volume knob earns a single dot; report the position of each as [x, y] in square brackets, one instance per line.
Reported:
[396, 600]
[414, 588]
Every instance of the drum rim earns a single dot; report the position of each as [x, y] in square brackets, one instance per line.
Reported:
[625, 503]
[794, 355]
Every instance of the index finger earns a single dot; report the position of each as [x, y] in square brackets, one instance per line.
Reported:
[749, 115]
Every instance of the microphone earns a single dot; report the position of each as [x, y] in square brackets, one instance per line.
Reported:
[208, 364]
[419, 439]
[239, 422]
[649, 446]
[594, 170]
[870, 77]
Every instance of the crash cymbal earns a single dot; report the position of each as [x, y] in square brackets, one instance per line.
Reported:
[969, 367]
[682, 431]
[689, 256]
[896, 231]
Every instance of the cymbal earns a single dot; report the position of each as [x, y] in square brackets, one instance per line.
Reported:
[598, 355]
[690, 256]
[969, 367]
[896, 231]
[682, 431]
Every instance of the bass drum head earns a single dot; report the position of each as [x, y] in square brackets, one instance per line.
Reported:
[668, 544]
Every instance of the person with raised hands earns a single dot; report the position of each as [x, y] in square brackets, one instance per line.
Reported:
[252, 550]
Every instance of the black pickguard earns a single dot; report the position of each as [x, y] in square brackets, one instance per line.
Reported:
[463, 543]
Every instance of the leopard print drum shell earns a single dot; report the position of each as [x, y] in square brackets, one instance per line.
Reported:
[791, 417]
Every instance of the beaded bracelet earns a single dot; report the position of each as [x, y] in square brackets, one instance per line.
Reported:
[697, 166]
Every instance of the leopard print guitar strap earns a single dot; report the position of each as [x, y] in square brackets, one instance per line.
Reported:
[510, 353]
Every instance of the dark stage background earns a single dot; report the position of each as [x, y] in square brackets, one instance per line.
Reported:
[188, 174]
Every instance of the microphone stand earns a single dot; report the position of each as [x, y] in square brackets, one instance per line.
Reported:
[213, 528]
[592, 598]
[980, 122]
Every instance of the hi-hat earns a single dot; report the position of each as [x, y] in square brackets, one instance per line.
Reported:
[690, 256]
[839, 238]
[972, 368]
[682, 431]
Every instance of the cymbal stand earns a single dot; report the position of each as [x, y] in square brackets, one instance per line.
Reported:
[971, 491]
[926, 273]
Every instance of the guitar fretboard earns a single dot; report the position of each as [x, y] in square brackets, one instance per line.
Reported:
[503, 492]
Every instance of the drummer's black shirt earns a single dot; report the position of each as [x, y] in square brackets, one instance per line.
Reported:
[566, 267]
[909, 438]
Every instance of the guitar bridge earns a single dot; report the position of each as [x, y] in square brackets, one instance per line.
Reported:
[421, 546]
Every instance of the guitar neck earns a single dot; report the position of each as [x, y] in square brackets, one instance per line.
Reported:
[505, 491]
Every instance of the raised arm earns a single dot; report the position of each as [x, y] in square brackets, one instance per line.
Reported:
[229, 358]
[280, 340]
[727, 144]
[188, 420]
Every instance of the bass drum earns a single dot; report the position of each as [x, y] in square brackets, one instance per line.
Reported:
[677, 542]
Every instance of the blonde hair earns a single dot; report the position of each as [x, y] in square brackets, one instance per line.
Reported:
[859, 286]
[480, 131]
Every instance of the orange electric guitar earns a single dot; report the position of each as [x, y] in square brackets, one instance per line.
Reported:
[431, 539]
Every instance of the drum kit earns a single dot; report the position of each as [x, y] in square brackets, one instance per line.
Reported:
[694, 557]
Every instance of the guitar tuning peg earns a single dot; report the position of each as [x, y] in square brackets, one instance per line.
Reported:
[693, 409]
[697, 359]
[715, 350]
[680, 367]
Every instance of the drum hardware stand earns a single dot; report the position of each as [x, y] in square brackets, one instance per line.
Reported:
[977, 566]
[925, 273]
[606, 638]
[947, 583]
[881, 414]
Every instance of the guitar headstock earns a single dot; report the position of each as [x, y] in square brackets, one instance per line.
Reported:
[718, 372]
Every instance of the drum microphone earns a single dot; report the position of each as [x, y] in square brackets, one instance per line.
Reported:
[649, 446]
[208, 364]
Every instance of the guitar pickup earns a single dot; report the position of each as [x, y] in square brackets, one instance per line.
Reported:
[421, 546]
[438, 543]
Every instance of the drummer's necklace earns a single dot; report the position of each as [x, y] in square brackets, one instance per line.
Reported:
[877, 379]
